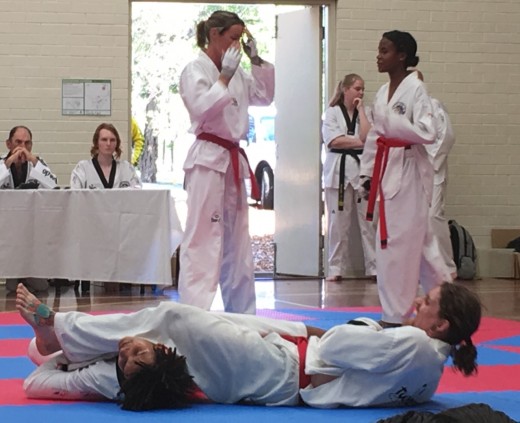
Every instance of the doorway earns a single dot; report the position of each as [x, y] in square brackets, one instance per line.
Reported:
[162, 43]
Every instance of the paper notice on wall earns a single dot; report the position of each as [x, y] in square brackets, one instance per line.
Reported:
[86, 97]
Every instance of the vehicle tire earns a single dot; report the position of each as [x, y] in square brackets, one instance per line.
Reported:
[265, 179]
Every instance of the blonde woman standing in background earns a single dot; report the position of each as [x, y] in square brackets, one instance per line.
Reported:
[344, 130]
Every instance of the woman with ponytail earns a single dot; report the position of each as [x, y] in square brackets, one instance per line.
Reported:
[344, 130]
[463, 311]
[216, 249]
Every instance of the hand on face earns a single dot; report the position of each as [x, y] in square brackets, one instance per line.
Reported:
[19, 155]
[231, 60]
[249, 46]
[427, 315]
[358, 103]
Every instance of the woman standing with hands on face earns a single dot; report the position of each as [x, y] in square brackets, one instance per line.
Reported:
[344, 130]
[216, 248]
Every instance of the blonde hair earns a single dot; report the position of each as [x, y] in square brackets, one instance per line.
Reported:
[347, 82]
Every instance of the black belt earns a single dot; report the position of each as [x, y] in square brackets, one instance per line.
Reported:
[344, 153]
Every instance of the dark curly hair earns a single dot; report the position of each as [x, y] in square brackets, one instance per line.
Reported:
[463, 310]
[166, 384]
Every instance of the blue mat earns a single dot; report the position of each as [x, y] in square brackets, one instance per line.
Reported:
[17, 368]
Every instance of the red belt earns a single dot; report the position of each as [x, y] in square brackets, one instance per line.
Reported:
[301, 343]
[381, 160]
[234, 150]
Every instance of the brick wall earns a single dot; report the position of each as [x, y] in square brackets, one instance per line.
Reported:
[44, 42]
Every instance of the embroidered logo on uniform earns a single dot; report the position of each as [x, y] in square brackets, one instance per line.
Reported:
[234, 102]
[124, 184]
[215, 218]
[45, 172]
[399, 108]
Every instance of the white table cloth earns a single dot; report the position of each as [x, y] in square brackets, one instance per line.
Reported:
[117, 235]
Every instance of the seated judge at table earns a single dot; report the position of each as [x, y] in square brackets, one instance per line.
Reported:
[106, 169]
[20, 166]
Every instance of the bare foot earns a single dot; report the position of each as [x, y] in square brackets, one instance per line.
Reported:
[41, 319]
[32, 309]
[336, 278]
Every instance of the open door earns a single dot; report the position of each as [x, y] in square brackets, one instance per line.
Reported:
[297, 194]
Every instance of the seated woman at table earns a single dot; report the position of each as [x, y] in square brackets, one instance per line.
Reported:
[105, 170]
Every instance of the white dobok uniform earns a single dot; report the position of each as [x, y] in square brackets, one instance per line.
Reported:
[85, 175]
[390, 367]
[407, 186]
[216, 248]
[235, 357]
[39, 173]
[438, 153]
[341, 223]
[232, 357]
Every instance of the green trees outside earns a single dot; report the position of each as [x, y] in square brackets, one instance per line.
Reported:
[163, 41]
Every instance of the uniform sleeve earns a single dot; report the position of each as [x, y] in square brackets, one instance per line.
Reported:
[133, 178]
[202, 98]
[261, 91]
[135, 182]
[84, 337]
[331, 128]
[5, 173]
[78, 178]
[137, 142]
[370, 148]
[439, 150]
[421, 129]
[96, 382]
[264, 325]
[43, 175]
[363, 348]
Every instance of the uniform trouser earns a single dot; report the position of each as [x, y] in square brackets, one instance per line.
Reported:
[341, 228]
[401, 265]
[231, 356]
[216, 248]
[440, 226]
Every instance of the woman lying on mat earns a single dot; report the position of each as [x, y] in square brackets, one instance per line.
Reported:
[172, 355]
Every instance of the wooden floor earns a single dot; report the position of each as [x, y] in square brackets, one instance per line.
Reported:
[500, 297]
